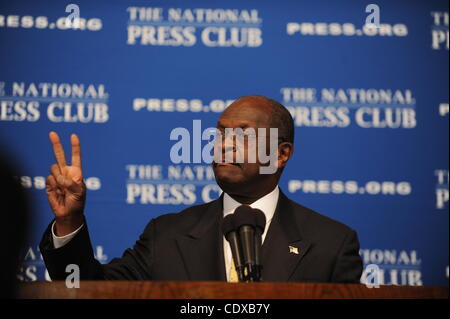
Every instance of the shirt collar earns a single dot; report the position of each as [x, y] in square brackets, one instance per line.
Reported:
[267, 204]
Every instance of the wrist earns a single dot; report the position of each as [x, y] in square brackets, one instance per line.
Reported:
[67, 225]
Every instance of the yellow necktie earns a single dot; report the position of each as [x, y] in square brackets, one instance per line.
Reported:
[233, 272]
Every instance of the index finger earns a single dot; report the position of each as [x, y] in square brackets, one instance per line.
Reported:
[58, 150]
[76, 150]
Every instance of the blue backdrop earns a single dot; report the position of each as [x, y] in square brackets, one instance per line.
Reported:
[370, 106]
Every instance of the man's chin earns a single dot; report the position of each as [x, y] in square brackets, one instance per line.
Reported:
[228, 182]
[229, 176]
[227, 179]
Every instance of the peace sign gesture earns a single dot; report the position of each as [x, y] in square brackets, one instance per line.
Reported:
[65, 188]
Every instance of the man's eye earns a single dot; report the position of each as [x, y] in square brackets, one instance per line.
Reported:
[248, 134]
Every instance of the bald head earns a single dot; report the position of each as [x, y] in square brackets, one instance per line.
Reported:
[277, 115]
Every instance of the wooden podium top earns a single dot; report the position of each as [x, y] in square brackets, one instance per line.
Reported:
[222, 290]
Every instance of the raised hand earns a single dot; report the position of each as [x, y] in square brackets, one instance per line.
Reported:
[65, 188]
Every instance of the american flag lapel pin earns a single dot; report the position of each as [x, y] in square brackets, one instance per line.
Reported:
[293, 250]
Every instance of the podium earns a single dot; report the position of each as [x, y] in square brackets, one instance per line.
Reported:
[222, 290]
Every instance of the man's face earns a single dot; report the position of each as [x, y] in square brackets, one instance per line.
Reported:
[241, 177]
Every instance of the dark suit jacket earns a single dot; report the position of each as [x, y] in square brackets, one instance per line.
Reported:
[189, 246]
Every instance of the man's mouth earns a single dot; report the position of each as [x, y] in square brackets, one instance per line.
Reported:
[215, 164]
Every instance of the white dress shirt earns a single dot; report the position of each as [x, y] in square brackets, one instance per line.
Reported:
[59, 241]
[267, 204]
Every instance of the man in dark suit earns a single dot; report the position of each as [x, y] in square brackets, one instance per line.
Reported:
[298, 243]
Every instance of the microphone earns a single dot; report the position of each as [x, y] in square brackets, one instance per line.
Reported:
[231, 235]
[260, 221]
[250, 223]
[245, 222]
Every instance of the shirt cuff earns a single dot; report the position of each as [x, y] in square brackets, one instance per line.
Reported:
[61, 241]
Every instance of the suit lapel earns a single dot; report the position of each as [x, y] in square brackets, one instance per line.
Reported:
[202, 247]
[283, 247]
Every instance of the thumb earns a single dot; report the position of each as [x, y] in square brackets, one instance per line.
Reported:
[74, 188]
[70, 185]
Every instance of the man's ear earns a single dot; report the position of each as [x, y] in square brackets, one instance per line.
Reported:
[285, 151]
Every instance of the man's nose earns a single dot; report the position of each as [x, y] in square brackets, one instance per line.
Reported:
[228, 143]
[226, 149]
